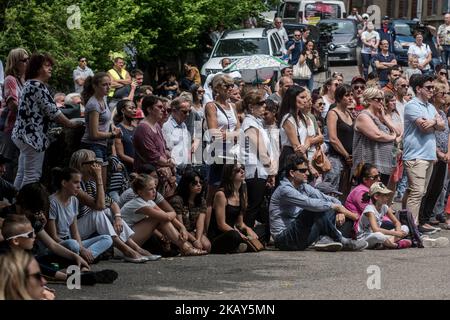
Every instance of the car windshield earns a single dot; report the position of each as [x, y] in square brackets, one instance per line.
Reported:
[404, 29]
[339, 27]
[241, 47]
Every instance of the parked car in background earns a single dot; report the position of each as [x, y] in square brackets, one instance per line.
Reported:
[311, 12]
[235, 44]
[321, 40]
[404, 30]
[344, 41]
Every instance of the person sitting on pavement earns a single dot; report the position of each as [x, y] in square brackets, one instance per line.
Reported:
[369, 225]
[145, 216]
[227, 230]
[7, 190]
[301, 214]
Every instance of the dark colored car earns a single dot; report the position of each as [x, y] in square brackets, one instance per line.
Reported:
[404, 30]
[345, 38]
[321, 40]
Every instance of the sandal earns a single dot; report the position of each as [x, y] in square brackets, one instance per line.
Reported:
[191, 251]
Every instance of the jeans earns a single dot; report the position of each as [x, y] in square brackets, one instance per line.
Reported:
[30, 165]
[115, 196]
[101, 152]
[433, 192]
[308, 83]
[97, 245]
[440, 203]
[366, 61]
[402, 184]
[445, 54]
[306, 229]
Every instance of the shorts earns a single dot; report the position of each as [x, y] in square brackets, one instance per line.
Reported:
[101, 152]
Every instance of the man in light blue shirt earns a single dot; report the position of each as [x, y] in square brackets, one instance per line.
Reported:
[301, 214]
[419, 141]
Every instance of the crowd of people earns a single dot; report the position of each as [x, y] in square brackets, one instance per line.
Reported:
[198, 167]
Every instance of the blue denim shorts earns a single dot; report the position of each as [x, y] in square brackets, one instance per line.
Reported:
[100, 151]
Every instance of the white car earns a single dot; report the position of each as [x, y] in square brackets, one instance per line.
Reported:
[236, 44]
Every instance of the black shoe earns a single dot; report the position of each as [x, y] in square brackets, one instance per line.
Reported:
[426, 231]
[441, 218]
[89, 278]
[434, 222]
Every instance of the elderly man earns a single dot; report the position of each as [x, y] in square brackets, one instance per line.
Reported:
[300, 214]
[278, 24]
[284, 84]
[81, 73]
[120, 79]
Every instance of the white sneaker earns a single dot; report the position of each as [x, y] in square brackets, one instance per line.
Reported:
[440, 242]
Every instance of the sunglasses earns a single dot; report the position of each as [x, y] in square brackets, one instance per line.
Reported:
[83, 61]
[228, 86]
[196, 183]
[200, 91]
[261, 103]
[38, 276]
[442, 73]
[27, 235]
[404, 86]
[375, 177]
[297, 35]
[241, 168]
[429, 88]
[186, 112]
[25, 60]
[320, 104]
[302, 170]
[359, 87]
[378, 99]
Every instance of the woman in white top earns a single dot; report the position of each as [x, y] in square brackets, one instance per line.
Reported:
[223, 127]
[422, 51]
[258, 157]
[327, 94]
[370, 41]
[293, 125]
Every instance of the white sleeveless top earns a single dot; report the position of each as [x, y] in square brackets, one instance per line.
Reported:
[228, 122]
[302, 131]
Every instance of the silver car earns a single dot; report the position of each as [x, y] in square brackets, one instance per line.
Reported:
[345, 38]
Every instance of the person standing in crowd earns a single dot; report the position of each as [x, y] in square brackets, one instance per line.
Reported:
[384, 60]
[310, 56]
[354, 15]
[387, 32]
[120, 79]
[278, 24]
[197, 100]
[295, 47]
[228, 231]
[340, 134]
[439, 173]
[327, 94]
[419, 143]
[126, 115]
[370, 41]
[316, 110]
[393, 73]
[301, 214]
[283, 84]
[98, 118]
[36, 108]
[339, 76]
[401, 86]
[358, 86]
[442, 76]
[81, 73]
[443, 39]
[374, 136]
[16, 65]
[259, 159]
[423, 53]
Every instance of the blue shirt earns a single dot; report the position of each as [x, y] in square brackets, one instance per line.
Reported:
[383, 73]
[295, 53]
[287, 203]
[417, 144]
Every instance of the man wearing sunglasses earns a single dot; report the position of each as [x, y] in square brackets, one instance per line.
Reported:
[419, 142]
[81, 73]
[301, 215]
[358, 87]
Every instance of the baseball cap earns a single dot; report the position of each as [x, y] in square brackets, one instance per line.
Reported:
[4, 160]
[358, 79]
[386, 18]
[139, 114]
[327, 188]
[365, 15]
[379, 187]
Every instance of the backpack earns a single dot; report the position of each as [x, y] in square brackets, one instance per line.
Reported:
[405, 217]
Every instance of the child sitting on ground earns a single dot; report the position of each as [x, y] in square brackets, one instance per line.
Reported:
[369, 225]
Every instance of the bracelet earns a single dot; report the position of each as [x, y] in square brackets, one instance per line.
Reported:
[117, 216]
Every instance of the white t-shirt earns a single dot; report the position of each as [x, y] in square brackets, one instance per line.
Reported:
[364, 228]
[371, 37]
[128, 211]
[421, 52]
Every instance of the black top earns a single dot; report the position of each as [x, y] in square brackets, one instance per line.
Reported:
[231, 216]
[344, 134]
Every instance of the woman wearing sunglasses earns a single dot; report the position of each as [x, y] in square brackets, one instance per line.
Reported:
[442, 76]
[190, 207]
[374, 135]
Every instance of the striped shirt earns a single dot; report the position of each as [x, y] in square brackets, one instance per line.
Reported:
[90, 188]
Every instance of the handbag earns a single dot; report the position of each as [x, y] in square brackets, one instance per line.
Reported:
[254, 245]
[320, 161]
[301, 71]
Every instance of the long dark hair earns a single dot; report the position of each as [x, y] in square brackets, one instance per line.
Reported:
[58, 175]
[362, 171]
[33, 197]
[289, 104]
[184, 190]
[227, 185]
[88, 89]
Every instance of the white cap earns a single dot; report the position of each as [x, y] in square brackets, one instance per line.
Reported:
[365, 15]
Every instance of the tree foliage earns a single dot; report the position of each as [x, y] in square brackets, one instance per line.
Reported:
[158, 29]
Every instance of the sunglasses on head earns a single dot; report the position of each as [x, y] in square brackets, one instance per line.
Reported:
[27, 235]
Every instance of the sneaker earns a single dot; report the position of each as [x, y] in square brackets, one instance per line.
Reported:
[404, 244]
[427, 231]
[242, 247]
[353, 245]
[440, 242]
[327, 244]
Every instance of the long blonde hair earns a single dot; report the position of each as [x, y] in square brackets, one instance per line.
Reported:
[13, 275]
[13, 59]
